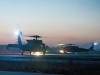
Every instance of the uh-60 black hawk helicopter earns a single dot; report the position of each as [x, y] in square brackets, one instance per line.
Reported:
[70, 48]
[34, 46]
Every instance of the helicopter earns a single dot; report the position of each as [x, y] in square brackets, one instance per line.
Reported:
[34, 46]
[70, 48]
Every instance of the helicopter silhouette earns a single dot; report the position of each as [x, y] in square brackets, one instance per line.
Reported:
[33, 45]
[72, 48]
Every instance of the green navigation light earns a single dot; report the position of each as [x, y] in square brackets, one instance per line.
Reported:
[46, 51]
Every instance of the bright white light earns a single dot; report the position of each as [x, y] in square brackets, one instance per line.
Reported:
[61, 51]
[95, 43]
[17, 33]
[61, 44]
[36, 53]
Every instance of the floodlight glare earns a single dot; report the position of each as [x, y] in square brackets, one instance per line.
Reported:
[36, 53]
[95, 43]
[17, 33]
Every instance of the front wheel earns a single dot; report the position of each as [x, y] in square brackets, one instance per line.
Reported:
[43, 52]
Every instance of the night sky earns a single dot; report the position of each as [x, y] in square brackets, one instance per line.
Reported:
[61, 21]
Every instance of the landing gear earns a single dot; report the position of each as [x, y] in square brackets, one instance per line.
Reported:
[30, 52]
[22, 52]
[44, 52]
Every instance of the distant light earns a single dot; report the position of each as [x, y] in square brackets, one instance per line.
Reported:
[95, 43]
[61, 44]
[17, 33]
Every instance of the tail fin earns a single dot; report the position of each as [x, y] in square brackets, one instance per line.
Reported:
[19, 39]
[92, 47]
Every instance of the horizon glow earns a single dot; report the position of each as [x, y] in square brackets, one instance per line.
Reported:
[64, 21]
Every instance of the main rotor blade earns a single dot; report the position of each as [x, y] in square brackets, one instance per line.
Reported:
[32, 36]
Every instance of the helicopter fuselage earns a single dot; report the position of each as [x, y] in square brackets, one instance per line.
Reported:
[34, 45]
[70, 49]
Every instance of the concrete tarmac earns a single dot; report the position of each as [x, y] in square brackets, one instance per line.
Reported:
[22, 73]
[18, 57]
[55, 58]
